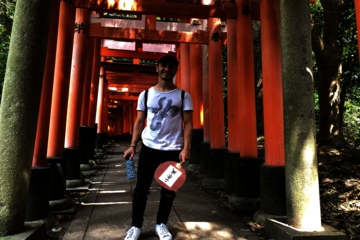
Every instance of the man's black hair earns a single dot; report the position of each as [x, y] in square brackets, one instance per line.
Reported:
[168, 58]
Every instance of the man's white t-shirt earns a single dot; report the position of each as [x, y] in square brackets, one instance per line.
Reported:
[164, 130]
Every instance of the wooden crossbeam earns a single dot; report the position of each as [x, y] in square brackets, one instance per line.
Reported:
[131, 90]
[131, 78]
[123, 97]
[131, 84]
[160, 8]
[160, 36]
[133, 67]
[105, 52]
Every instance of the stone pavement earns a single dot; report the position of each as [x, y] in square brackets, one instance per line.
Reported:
[107, 208]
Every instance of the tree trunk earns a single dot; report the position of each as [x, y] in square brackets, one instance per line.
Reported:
[328, 60]
[342, 103]
[329, 65]
[20, 108]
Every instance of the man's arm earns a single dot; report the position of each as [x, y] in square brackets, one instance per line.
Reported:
[138, 128]
[188, 129]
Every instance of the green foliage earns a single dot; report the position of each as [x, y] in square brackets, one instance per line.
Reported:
[7, 10]
[352, 117]
[4, 50]
[348, 42]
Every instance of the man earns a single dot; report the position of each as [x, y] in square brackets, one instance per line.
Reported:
[164, 139]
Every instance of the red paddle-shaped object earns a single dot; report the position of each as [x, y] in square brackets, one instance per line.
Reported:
[170, 175]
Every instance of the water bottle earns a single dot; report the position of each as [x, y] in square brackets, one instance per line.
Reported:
[130, 168]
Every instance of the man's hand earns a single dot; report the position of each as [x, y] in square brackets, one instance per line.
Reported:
[184, 156]
[130, 151]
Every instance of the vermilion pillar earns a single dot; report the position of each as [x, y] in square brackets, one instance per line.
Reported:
[77, 78]
[124, 121]
[100, 98]
[232, 94]
[205, 86]
[94, 82]
[61, 79]
[197, 98]
[233, 154]
[134, 112]
[246, 82]
[272, 178]
[196, 83]
[131, 117]
[42, 133]
[185, 66]
[120, 120]
[205, 145]
[272, 83]
[150, 22]
[87, 84]
[128, 117]
[216, 102]
[106, 109]
[178, 74]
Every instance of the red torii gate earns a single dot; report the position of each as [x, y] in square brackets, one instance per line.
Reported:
[78, 105]
[239, 141]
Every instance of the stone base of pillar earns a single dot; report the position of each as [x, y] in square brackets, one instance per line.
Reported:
[38, 197]
[73, 183]
[121, 137]
[272, 190]
[93, 142]
[278, 229]
[86, 167]
[57, 178]
[85, 137]
[205, 147]
[216, 164]
[244, 203]
[100, 139]
[106, 139]
[248, 177]
[231, 167]
[32, 231]
[87, 174]
[49, 221]
[213, 183]
[60, 204]
[87, 170]
[117, 138]
[197, 139]
[260, 217]
[72, 163]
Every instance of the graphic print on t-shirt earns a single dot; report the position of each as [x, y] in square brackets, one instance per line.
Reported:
[162, 112]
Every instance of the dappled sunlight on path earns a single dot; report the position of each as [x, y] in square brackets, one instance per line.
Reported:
[106, 208]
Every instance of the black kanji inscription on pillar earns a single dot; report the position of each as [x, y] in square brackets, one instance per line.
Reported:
[70, 1]
[246, 10]
[215, 37]
[79, 27]
[101, 76]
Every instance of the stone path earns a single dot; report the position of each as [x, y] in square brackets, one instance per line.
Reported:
[107, 209]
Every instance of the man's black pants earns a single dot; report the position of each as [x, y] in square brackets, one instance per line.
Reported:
[149, 160]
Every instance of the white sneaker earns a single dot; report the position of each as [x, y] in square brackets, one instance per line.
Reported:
[162, 231]
[133, 233]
